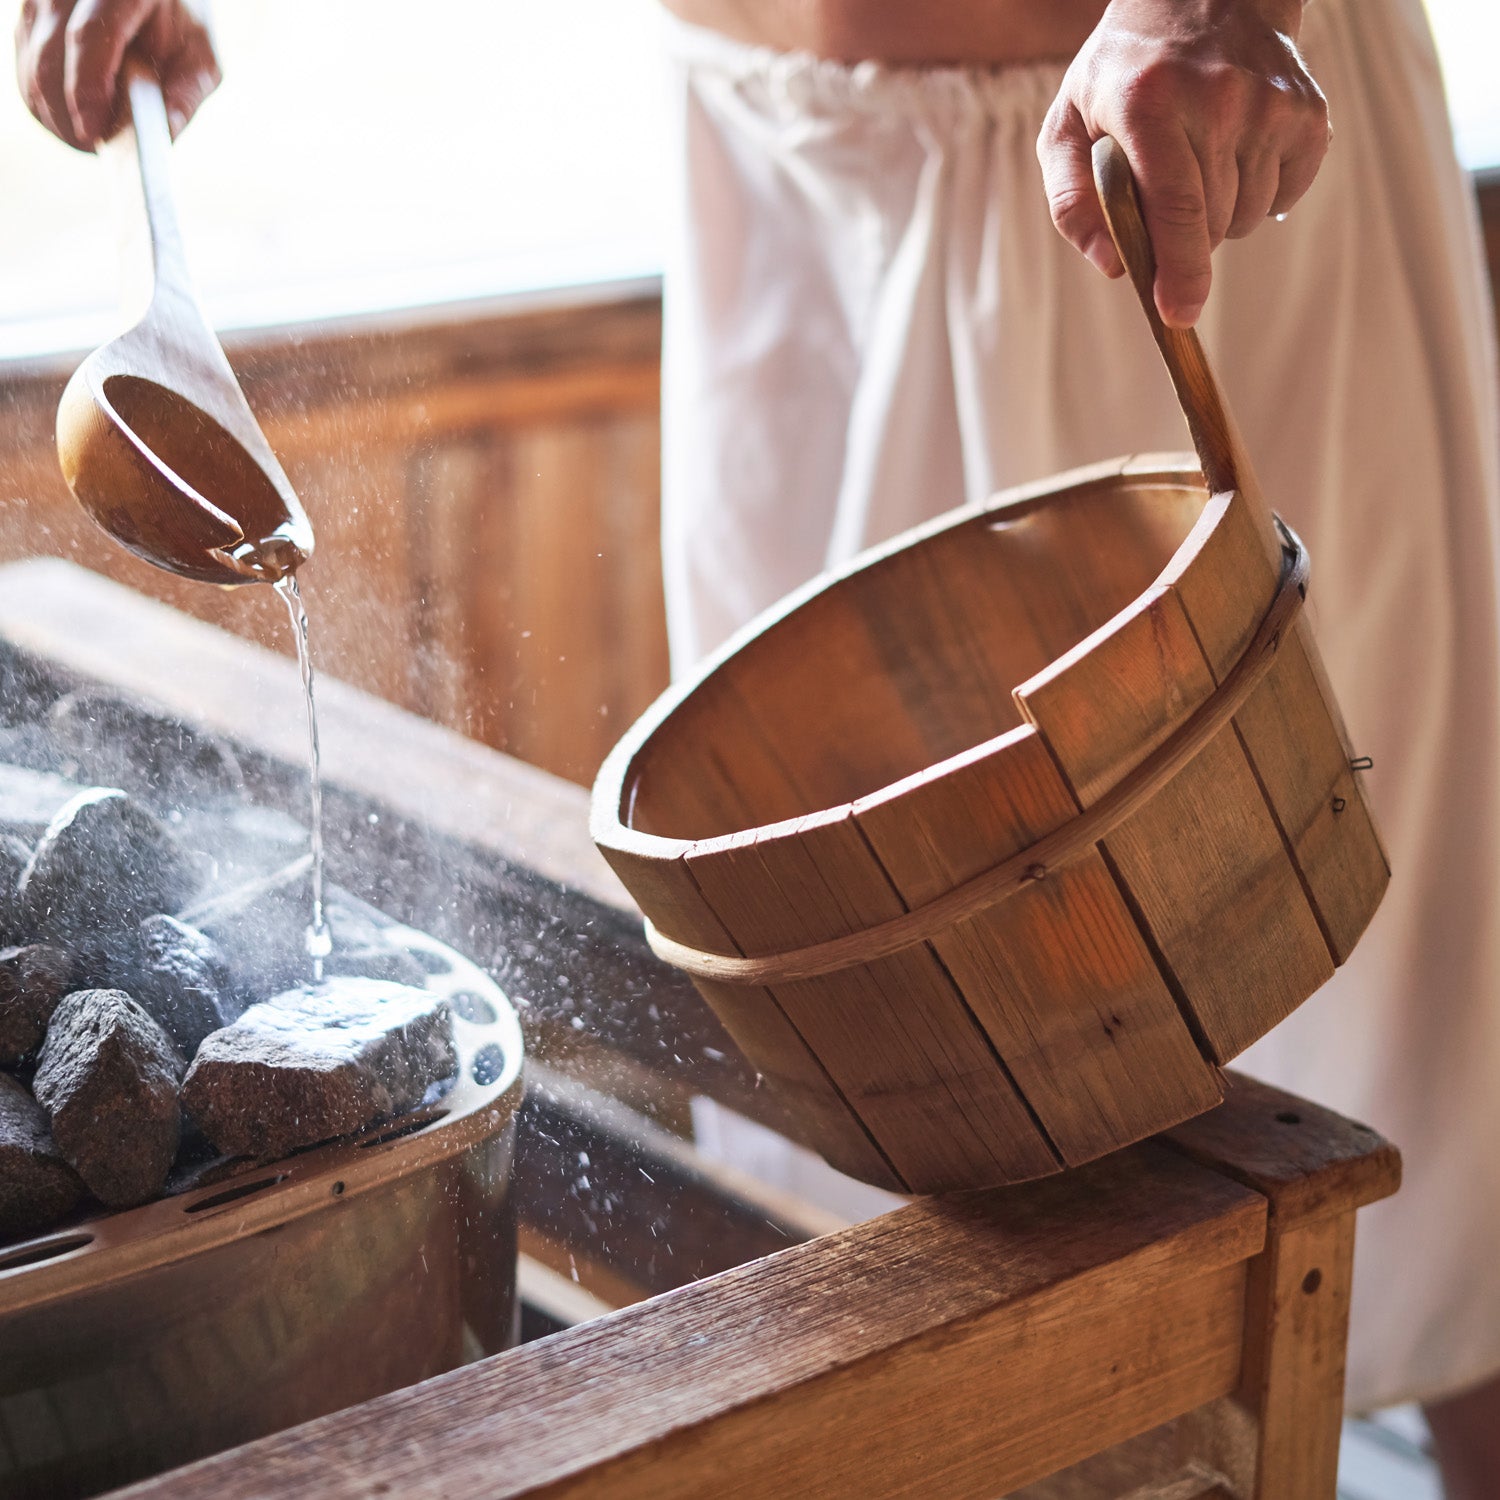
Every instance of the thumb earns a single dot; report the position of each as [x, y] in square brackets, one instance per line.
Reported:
[1065, 153]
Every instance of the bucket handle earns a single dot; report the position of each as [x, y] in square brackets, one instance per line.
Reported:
[1226, 468]
[1221, 451]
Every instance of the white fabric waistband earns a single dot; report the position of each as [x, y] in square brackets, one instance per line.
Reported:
[821, 88]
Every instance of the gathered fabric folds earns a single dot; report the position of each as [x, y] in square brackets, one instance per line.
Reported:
[871, 320]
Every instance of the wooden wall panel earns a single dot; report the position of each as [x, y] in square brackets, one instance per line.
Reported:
[483, 484]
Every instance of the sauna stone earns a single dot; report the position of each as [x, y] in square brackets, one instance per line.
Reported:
[25, 692]
[117, 743]
[108, 1077]
[182, 982]
[103, 864]
[261, 928]
[30, 799]
[15, 854]
[30, 746]
[33, 980]
[319, 1062]
[37, 1187]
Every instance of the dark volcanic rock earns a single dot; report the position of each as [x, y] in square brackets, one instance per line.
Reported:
[33, 980]
[31, 746]
[108, 1077]
[261, 929]
[119, 743]
[26, 690]
[29, 800]
[37, 1187]
[15, 855]
[103, 864]
[317, 1063]
[182, 982]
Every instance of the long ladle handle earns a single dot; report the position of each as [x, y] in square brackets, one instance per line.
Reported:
[1220, 448]
[147, 114]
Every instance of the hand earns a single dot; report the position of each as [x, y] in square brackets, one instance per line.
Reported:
[1221, 121]
[68, 56]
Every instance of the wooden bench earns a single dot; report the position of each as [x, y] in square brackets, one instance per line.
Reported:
[1187, 1299]
[1166, 1324]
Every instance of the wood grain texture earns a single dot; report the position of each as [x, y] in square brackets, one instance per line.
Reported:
[1058, 976]
[1224, 904]
[154, 436]
[716, 1385]
[1298, 1317]
[1289, 727]
[1306, 1160]
[818, 1111]
[895, 1036]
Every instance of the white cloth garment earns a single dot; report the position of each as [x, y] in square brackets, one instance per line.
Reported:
[870, 319]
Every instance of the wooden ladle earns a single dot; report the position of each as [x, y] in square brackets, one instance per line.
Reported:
[156, 439]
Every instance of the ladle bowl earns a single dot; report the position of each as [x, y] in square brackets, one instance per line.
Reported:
[154, 434]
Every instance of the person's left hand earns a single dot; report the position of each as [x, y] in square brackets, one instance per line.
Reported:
[1221, 122]
[69, 54]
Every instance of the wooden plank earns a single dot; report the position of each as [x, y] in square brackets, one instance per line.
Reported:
[743, 749]
[1315, 1168]
[1307, 1161]
[895, 1035]
[1058, 975]
[817, 1111]
[775, 1379]
[1225, 907]
[447, 489]
[1163, 1460]
[1297, 1329]
[1289, 732]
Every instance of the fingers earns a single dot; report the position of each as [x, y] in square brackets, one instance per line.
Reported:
[189, 74]
[1218, 115]
[1064, 151]
[69, 54]
[1259, 179]
[1174, 205]
[41, 46]
[1300, 166]
[98, 34]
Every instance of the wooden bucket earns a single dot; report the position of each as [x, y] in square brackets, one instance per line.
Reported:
[991, 849]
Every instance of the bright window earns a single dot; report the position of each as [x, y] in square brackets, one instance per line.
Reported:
[1468, 38]
[364, 154]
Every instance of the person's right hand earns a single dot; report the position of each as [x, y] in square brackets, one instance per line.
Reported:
[68, 56]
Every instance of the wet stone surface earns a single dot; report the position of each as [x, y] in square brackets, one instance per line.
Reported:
[261, 929]
[33, 980]
[108, 1077]
[103, 864]
[30, 799]
[319, 1062]
[182, 982]
[37, 1187]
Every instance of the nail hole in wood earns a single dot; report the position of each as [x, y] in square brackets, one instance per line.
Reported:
[1312, 1281]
